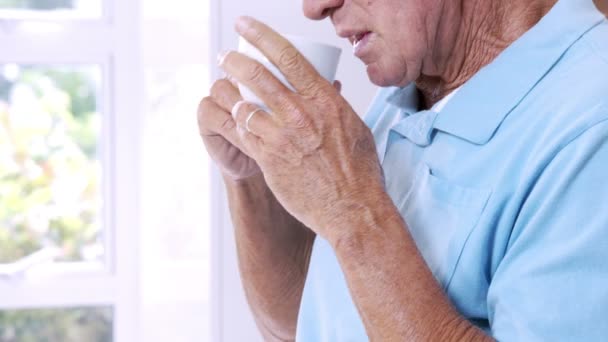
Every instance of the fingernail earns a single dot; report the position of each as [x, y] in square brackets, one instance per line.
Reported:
[242, 23]
[221, 56]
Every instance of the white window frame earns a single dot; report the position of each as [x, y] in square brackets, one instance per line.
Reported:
[113, 42]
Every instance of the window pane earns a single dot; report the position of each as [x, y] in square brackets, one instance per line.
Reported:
[65, 325]
[49, 168]
[83, 8]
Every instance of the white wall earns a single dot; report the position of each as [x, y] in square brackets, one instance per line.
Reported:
[232, 320]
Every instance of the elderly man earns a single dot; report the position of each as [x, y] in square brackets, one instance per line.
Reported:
[470, 204]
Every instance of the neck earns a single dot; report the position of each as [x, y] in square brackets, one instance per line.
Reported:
[478, 31]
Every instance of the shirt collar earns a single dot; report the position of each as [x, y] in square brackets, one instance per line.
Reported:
[481, 104]
[439, 106]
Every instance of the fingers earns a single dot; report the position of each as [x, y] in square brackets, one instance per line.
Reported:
[260, 80]
[243, 124]
[296, 68]
[255, 120]
[214, 120]
[225, 94]
[227, 100]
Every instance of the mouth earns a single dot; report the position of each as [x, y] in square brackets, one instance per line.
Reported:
[358, 38]
[361, 40]
[354, 36]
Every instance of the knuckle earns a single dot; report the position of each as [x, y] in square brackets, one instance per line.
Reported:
[313, 90]
[313, 141]
[281, 141]
[219, 87]
[319, 95]
[285, 103]
[227, 124]
[330, 106]
[299, 119]
[289, 57]
[257, 36]
[318, 90]
[204, 106]
[257, 72]
[202, 114]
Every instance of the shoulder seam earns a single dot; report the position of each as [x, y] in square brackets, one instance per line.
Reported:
[555, 155]
[591, 44]
[583, 132]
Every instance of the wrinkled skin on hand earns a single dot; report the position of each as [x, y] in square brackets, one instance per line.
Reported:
[317, 155]
[218, 130]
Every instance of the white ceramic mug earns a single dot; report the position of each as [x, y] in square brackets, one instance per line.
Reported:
[322, 56]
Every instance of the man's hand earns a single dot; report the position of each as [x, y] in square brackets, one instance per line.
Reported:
[316, 154]
[218, 130]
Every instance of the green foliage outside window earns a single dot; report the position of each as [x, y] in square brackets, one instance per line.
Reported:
[66, 325]
[49, 174]
[50, 188]
[37, 4]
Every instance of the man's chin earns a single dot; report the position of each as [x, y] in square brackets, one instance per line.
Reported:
[376, 76]
[381, 78]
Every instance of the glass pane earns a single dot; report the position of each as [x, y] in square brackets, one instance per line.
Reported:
[86, 8]
[49, 168]
[65, 325]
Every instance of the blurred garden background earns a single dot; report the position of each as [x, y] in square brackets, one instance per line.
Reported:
[38, 4]
[49, 170]
[53, 176]
[50, 182]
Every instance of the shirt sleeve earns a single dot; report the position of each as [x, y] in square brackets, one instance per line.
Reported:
[552, 284]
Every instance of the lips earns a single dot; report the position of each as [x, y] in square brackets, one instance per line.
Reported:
[351, 34]
[361, 40]
[356, 39]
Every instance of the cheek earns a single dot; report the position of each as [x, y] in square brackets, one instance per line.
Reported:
[403, 36]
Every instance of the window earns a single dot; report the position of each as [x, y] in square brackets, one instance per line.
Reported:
[103, 179]
[42, 8]
[68, 220]
[50, 170]
[74, 324]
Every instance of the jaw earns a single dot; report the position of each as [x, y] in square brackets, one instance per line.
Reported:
[382, 76]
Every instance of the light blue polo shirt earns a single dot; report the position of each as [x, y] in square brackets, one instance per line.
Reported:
[504, 190]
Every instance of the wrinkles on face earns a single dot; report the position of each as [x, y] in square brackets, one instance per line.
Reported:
[438, 44]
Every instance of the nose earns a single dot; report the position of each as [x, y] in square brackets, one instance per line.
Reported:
[320, 9]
